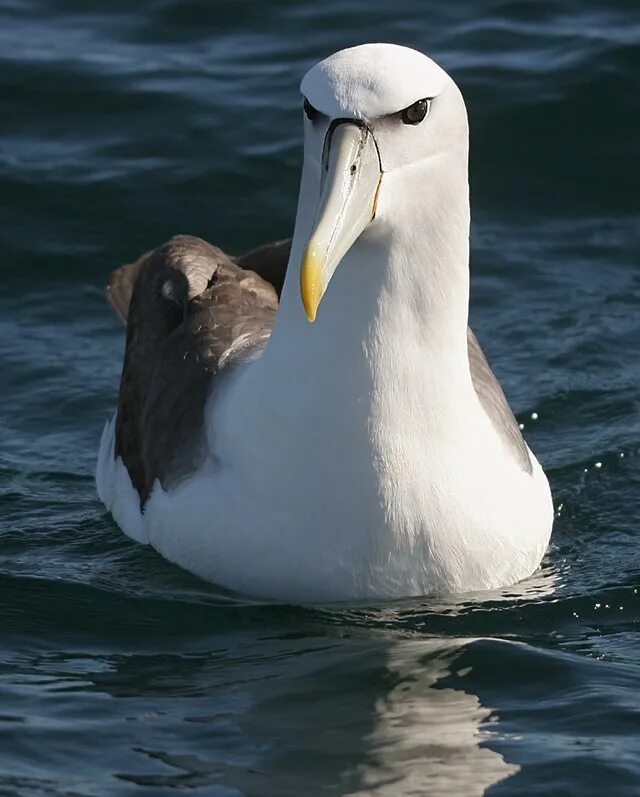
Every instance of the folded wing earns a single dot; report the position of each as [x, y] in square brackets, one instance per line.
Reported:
[191, 312]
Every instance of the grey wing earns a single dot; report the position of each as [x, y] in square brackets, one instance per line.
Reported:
[121, 284]
[269, 261]
[495, 403]
[192, 313]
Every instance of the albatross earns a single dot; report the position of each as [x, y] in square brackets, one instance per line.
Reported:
[314, 420]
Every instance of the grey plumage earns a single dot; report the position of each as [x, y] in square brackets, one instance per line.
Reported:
[495, 404]
[192, 312]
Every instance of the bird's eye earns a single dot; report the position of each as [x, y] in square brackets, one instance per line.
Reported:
[309, 110]
[417, 112]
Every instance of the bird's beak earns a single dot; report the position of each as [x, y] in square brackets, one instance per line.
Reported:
[351, 175]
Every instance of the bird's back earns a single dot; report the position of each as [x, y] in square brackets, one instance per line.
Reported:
[191, 312]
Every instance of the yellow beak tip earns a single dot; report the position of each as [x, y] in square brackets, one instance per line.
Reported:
[310, 277]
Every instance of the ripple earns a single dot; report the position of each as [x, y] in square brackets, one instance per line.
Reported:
[122, 128]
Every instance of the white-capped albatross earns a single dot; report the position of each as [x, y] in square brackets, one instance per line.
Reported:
[371, 454]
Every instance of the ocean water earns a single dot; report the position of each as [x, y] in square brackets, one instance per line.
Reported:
[124, 123]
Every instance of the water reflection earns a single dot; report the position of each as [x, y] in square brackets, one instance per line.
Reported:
[428, 739]
[290, 716]
[238, 697]
[241, 697]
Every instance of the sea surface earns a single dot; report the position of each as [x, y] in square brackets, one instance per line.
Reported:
[124, 123]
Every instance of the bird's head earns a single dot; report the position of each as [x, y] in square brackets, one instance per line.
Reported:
[382, 124]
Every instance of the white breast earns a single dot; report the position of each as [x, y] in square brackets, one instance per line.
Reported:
[353, 474]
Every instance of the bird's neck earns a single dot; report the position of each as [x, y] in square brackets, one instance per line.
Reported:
[389, 345]
[401, 292]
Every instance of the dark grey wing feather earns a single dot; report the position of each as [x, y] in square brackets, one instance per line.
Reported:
[495, 403]
[121, 284]
[192, 312]
[269, 261]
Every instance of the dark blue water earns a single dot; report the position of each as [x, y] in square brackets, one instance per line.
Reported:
[122, 124]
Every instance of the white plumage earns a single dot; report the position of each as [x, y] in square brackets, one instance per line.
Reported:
[354, 458]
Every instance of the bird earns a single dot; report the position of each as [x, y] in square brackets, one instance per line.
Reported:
[314, 421]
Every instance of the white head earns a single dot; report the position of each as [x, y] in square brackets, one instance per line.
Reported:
[386, 138]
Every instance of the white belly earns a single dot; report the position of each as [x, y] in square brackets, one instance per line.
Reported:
[335, 526]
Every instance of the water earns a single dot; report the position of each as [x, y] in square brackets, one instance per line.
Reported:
[122, 675]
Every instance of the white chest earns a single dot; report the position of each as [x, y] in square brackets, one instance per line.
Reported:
[372, 494]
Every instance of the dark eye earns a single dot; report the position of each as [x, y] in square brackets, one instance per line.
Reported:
[415, 113]
[309, 110]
